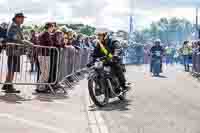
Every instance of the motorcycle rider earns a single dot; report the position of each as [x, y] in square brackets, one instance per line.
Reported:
[157, 47]
[107, 46]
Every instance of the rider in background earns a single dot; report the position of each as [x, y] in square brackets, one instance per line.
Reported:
[157, 47]
[110, 47]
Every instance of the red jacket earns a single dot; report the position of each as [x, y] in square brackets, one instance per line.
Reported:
[58, 39]
[45, 40]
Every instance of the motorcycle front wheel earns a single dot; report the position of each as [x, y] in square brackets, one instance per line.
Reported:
[96, 92]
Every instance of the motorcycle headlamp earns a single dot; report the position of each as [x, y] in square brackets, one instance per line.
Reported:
[98, 64]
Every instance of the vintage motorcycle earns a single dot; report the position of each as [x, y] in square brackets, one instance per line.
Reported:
[103, 84]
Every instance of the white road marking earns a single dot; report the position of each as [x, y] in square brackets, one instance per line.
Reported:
[96, 122]
[101, 122]
[91, 117]
[33, 123]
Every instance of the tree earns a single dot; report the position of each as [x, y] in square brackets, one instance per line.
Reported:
[75, 27]
[87, 30]
[154, 29]
[139, 37]
[171, 30]
[167, 30]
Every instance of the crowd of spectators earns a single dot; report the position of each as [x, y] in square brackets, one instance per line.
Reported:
[195, 56]
[59, 37]
[46, 56]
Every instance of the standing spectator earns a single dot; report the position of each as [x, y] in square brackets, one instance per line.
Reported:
[198, 61]
[44, 57]
[194, 55]
[66, 40]
[82, 43]
[14, 34]
[93, 43]
[146, 55]
[185, 51]
[76, 43]
[2, 33]
[70, 53]
[71, 38]
[58, 42]
[176, 56]
[33, 37]
[33, 58]
[169, 55]
[87, 42]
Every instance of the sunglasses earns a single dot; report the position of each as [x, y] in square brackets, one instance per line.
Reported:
[99, 35]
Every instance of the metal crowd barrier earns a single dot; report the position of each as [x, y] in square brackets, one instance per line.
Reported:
[196, 63]
[51, 65]
[72, 61]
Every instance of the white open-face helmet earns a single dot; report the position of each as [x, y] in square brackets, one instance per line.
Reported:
[157, 41]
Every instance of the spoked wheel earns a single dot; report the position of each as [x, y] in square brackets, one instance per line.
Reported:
[100, 96]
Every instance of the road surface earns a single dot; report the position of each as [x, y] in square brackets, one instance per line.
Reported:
[169, 104]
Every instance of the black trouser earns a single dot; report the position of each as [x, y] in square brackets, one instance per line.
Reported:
[38, 68]
[118, 71]
[53, 66]
[186, 62]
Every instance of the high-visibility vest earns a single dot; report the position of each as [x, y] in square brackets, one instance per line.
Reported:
[168, 51]
[186, 51]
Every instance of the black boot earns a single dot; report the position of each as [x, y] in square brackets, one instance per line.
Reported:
[125, 87]
[5, 87]
[45, 91]
[10, 89]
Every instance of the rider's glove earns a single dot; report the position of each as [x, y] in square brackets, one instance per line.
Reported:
[88, 65]
[115, 59]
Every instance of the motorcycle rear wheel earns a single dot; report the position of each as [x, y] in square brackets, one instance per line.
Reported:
[122, 97]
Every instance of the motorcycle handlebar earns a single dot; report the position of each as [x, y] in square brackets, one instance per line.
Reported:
[114, 59]
[98, 59]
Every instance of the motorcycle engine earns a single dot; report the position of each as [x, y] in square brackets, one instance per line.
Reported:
[115, 82]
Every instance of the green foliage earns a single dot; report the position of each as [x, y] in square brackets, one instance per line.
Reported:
[168, 30]
[75, 27]
[87, 30]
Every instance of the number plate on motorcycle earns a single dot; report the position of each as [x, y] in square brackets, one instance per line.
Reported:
[107, 69]
[158, 53]
[98, 64]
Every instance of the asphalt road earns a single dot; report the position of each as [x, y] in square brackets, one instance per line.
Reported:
[169, 104]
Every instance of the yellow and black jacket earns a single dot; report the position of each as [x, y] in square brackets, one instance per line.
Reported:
[108, 50]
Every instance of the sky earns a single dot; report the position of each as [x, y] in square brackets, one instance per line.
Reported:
[112, 14]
